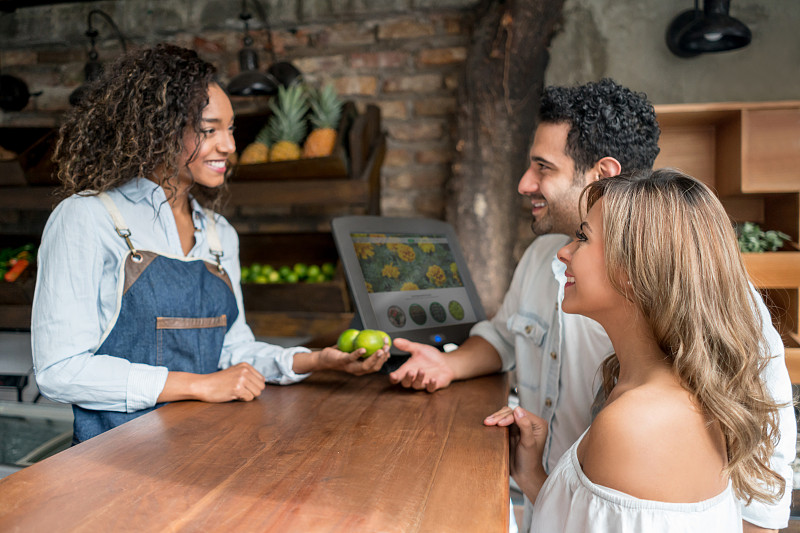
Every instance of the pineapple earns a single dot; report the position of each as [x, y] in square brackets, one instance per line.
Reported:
[258, 150]
[326, 108]
[287, 126]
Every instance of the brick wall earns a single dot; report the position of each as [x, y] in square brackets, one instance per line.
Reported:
[405, 56]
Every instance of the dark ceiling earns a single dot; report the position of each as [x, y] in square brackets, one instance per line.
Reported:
[11, 5]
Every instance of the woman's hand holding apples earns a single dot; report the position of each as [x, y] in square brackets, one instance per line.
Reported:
[354, 362]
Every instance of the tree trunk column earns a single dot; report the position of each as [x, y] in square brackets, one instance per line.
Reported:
[498, 103]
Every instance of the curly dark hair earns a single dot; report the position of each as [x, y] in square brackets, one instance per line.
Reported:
[606, 119]
[132, 121]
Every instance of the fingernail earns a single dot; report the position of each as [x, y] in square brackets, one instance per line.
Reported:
[519, 413]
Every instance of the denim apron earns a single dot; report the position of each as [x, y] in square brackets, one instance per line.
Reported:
[173, 312]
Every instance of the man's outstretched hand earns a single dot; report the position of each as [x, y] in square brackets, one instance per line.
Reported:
[426, 369]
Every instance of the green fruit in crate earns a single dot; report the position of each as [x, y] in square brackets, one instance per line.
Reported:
[291, 277]
[245, 274]
[260, 279]
[329, 269]
[346, 339]
[300, 269]
[371, 340]
[313, 271]
[284, 271]
[273, 277]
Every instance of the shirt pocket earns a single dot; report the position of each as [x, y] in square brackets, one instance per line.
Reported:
[530, 337]
[190, 344]
[530, 327]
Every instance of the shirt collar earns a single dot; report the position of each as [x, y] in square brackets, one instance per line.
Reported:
[145, 190]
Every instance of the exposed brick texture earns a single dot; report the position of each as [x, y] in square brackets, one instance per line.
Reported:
[405, 56]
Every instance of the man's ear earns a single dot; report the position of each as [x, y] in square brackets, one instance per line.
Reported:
[607, 167]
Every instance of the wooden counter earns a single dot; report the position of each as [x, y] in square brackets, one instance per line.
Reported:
[334, 453]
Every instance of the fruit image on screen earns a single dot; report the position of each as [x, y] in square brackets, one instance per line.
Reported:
[418, 314]
[405, 262]
[396, 316]
[437, 312]
[456, 311]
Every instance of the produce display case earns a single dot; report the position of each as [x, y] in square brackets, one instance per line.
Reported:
[334, 166]
[317, 310]
[297, 200]
[16, 297]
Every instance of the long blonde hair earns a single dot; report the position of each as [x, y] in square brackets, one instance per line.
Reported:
[669, 235]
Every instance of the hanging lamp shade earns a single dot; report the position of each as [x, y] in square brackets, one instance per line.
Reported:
[250, 81]
[695, 32]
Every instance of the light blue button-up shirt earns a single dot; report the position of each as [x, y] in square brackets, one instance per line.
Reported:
[77, 300]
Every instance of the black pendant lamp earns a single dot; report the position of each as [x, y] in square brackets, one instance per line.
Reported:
[93, 68]
[14, 94]
[695, 32]
[250, 81]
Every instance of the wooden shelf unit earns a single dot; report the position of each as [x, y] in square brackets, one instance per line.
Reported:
[303, 209]
[749, 152]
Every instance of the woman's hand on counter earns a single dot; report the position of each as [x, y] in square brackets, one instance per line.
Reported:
[332, 358]
[238, 382]
[527, 436]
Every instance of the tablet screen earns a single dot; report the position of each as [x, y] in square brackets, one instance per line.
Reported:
[408, 278]
[412, 281]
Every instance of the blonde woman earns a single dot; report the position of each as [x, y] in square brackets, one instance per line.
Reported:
[688, 424]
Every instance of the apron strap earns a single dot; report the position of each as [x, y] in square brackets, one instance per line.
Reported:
[214, 245]
[119, 223]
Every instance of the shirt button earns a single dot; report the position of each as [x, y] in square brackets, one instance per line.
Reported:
[528, 329]
[553, 355]
[548, 402]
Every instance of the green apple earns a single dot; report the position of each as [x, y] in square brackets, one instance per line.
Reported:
[371, 340]
[346, 339]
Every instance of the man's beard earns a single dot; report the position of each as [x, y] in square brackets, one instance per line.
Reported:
[543, 226]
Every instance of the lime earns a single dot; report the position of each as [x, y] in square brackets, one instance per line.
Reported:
[261, 279]
[284, 271]
[300, 269]
[329, 269]
[345, 342]
[291, 277]
[273, 276]
[371, 340]
[245, 274]
[313, 271]
[255, 269]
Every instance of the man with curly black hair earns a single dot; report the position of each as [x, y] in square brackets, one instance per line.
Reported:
[589, 132]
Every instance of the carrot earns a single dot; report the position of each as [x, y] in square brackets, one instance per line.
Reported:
[14, 272]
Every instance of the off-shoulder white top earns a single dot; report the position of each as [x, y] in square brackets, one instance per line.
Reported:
[570, 502]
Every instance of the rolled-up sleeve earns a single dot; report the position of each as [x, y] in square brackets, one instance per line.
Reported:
[68, 316]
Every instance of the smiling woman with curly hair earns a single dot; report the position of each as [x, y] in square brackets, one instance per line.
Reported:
[131, 123]
[137, 304]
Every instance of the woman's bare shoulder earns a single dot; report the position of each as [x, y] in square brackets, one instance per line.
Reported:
[653, 443]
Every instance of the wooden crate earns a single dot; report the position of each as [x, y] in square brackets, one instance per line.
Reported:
[335, 166]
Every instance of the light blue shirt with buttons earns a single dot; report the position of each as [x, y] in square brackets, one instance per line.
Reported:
[76, 300]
